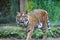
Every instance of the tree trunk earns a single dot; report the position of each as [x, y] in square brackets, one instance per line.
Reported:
[22, 5]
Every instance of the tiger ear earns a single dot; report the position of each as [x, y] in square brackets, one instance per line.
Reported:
[18, 13]
[26, 12]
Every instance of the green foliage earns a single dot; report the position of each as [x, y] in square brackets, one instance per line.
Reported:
[51, 6]
[38, 33]
[30, 5]
[10, 7]
[8, 10]
[48, 33]
[5, 6]
[54, 32]
[7, 32]
[20, 33]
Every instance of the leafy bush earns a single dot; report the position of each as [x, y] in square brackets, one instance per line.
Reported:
[21, 33]
[54, 32]
[38, 33]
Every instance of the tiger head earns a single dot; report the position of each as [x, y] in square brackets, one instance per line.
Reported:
[22, 18]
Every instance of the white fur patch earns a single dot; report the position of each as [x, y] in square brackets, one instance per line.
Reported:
[23, 14]
[40, 25]
[26, 21]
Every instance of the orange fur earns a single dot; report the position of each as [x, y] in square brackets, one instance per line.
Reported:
[35, 16]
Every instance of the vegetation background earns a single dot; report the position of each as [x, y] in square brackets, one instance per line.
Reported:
[8, 9]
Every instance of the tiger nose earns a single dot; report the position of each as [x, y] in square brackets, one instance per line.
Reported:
[21, 21]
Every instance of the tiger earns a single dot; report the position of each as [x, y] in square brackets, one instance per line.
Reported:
[37, 18]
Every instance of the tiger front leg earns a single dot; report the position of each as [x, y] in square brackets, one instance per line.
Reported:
[29, 34]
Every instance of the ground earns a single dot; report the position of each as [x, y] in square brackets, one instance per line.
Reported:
[24, 39]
